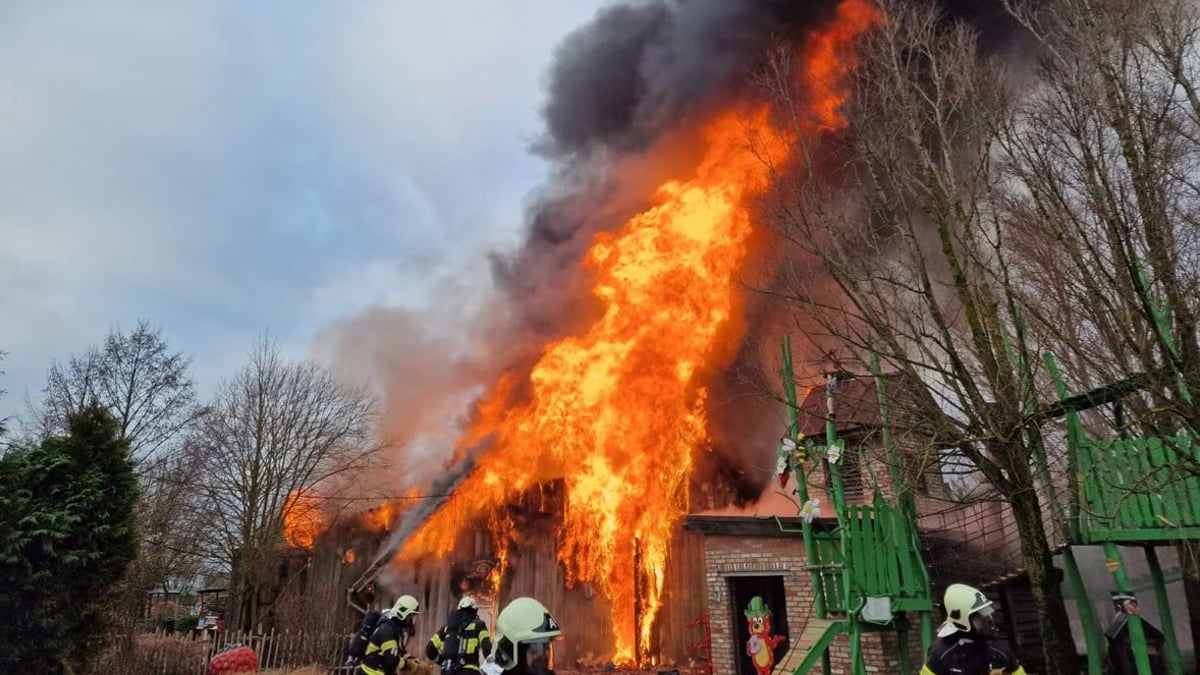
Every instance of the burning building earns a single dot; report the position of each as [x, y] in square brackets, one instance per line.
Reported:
[581, 463]
[629, 387]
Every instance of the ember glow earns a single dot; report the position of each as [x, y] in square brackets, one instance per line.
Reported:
[618, 411]
[302, 520]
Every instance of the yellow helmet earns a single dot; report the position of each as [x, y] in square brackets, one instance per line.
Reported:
[524, 621]
[962, 602]
[406, 606]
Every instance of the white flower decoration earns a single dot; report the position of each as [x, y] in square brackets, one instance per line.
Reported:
[787, 446]
[834, 453]
[781, 466]
[810, 510]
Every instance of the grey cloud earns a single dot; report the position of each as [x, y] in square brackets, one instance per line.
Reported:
[212, 166]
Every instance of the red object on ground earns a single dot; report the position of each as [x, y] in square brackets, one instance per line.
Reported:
[237, 660]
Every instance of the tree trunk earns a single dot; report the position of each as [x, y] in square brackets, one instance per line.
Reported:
[244, 594]
[237, 603]
[1054, 626]
[1189, 560]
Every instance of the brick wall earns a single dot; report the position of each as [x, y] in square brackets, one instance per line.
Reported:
[729, 556]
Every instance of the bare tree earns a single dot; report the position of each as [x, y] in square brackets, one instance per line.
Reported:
[137, 377]
[277, 431]
[146, 387]
[898, 212]
[1102, 159]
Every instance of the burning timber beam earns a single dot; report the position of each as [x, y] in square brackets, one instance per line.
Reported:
[440, 492]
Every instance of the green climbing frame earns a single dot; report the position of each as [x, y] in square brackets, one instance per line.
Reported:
[867, 572]
[1126, 491]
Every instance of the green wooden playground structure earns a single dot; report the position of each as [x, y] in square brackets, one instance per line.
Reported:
[867, 571]
[1125, 492]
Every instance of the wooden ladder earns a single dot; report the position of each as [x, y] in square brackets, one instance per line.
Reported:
[804, 651]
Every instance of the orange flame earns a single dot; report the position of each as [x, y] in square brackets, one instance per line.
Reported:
[385, 516]
[618, 411]
[302, 520]
[349, 556]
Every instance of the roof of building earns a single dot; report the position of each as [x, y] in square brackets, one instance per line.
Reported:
[752, 526]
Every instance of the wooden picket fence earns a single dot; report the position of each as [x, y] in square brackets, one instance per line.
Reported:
[163, 654]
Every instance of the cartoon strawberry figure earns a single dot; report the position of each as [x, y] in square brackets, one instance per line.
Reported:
[761, 645]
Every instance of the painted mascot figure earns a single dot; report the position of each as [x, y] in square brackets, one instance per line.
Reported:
[761, 645]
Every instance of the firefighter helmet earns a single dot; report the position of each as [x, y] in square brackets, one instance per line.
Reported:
[967, 609]
[467, 602]
[524, 621]
[406, 605]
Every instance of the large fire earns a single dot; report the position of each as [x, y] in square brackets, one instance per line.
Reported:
[618, 411]
[302, 519]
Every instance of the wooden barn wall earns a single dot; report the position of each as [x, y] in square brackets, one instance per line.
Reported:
[684, 598]
[534, 571]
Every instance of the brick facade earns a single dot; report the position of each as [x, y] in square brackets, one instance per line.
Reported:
[728, 556]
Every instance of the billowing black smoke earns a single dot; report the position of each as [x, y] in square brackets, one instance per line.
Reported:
[636, 72]
[639, 69]
[619, 86]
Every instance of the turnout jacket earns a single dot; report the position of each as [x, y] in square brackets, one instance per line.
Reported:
[457, 644]
[386, 647]
[967, 654]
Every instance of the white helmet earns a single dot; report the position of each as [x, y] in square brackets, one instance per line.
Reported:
[967, 609]
[406, 605]
[524, 621]
[467, 603]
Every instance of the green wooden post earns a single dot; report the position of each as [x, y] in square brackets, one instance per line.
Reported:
[926, 630]
[789, 388]
[838, 496]
[1087, 613]
[855, 638]
[1173, 658]
[835, 474]
[1029, 405]
[908, 511]
[1137, 635]
[902, 643]
[1074, 440]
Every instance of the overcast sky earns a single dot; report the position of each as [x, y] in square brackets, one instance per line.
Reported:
[225, 168]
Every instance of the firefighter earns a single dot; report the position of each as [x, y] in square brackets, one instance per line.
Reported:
[358, 643]
[1120, 647]
[457, 646]
[386, 651]
[964, 642]
[525, 633]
